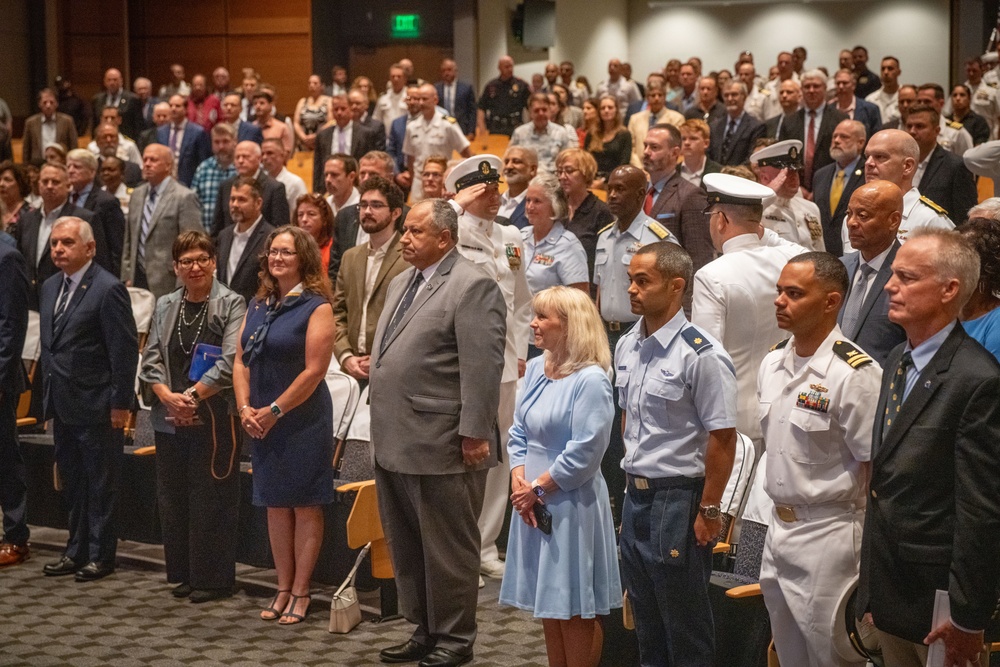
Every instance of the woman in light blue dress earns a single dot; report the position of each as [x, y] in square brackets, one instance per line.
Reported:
[562, 423]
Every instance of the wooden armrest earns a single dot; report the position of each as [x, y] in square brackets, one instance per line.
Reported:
[144, 451]
[748, 591]
[354, 486]
[721, 548]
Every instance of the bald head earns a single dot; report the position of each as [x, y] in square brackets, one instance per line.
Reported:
[892, 155]
[113, 81]
[506, 67]
[873, 217]
[247, 158]
[626, 192]
[157, 162]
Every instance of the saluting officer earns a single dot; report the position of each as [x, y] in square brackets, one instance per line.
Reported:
[677, 389]
[498, 250]
[790, 215]
[616, 245]
[818, 394]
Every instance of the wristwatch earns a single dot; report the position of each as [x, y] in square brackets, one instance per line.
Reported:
[711, 512]
[193, 393]
[276, 411]
[538, 490]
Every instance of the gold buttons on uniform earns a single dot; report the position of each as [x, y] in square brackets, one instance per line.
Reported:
[874, 495]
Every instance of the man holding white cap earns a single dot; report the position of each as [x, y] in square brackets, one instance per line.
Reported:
[734, 293]
[498, 250]
[791, 216]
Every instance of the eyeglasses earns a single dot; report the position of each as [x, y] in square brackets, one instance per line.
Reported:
[373, 205]
[284, 253]
[187, 263]
[568, 171]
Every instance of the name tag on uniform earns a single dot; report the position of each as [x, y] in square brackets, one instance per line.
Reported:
[544, 260]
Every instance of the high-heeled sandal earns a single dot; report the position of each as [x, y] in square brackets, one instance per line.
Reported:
[295, 618]
[272, 612]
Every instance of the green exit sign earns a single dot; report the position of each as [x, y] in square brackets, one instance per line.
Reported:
[405, 26]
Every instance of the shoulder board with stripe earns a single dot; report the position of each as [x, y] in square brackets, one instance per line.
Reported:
[695, 339]
[601, 231]
[991, 85]
[450, 119]
[931, 204]
[779, 345]
[955, 125]
[854, 357]
[658, 229]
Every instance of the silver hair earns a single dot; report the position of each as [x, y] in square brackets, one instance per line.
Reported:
[86, 231]
[553, 192]
[988, 208]
[954, 258]
[84, 157]
[814, 74]
[443, 216]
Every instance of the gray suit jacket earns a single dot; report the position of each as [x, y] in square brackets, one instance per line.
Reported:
[874, 333]
[177, 210]
[437, 378]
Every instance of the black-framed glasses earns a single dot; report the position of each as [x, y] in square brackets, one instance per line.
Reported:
[373, 205]
[204, 261]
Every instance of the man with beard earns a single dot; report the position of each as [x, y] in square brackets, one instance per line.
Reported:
[203, 109]
[520, 164]
[364, 276]
[498, 250]
[834, 183]
[241, 243]
[211, 173]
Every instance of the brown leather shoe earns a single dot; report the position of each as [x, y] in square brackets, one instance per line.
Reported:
[13, 554]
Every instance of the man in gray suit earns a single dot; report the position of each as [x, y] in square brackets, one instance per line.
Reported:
[436, 365]
[159, 210]
[873, 217]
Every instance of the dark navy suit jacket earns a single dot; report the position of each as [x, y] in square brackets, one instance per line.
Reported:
[874, 333]
[14, 319]
[89, 358]
[195, 148]
[465, 105]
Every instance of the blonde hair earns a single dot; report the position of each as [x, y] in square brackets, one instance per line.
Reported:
[586, 341]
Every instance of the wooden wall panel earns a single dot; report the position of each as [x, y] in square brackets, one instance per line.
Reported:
[198, 54]
[276, 16]
[284, 61]
[95, 17]
[375, 62]
[87, 57]
[179, 17]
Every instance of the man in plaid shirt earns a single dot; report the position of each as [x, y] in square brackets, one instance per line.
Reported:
[213, 171]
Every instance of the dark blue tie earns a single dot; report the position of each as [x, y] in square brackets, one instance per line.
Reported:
[404, 305]
[897, 389]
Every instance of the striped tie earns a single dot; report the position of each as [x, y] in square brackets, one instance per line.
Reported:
[147, 217]
[63, 299]
[897, 391]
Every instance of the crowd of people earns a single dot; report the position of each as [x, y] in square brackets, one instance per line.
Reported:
[770, 255]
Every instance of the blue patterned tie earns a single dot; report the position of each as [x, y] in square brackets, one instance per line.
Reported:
[404, 305]
[147, 217]
[63, 299]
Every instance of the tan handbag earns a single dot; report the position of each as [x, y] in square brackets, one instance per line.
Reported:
[345, 609]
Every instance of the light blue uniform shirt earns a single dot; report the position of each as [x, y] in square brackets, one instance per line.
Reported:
[922, 355]
[673, 387]
[615, 249]
[558, 259]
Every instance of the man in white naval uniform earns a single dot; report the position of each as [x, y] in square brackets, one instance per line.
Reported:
[893, 155]
[734, 293]
[818, 395]
[430, 133]
[499, 251]
[790, 215]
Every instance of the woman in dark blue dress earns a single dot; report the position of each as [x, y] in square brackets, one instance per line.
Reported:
[285, 347]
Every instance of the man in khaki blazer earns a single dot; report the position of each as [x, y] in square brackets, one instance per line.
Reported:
[656, 112]
[359, 294]
[65, 130]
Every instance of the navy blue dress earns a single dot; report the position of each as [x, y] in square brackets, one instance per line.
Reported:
[293, 463]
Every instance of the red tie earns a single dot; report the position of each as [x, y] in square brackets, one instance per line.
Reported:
[647, 204]
[810, 149]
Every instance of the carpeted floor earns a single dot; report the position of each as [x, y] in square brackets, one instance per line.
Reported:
[130, 619]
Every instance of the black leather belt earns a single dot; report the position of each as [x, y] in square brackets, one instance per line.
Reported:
[646, 483]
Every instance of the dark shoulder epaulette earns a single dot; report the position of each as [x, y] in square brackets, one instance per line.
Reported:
[604, 229]
[930, 203]
[854, 357]
[780, 344]
[695, 339]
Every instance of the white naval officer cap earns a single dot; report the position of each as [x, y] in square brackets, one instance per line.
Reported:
[784, 154]
[989, 58]
[476, 169]
[729, 189]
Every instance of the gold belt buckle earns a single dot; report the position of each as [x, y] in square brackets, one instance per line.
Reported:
[614, 326]
[641, 483]
[786, 513]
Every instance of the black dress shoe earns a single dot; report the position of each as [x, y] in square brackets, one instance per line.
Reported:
[200, 595]
[410, 651]
[181, 591]
[61, 567]
[442, 657]
[93, 571]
